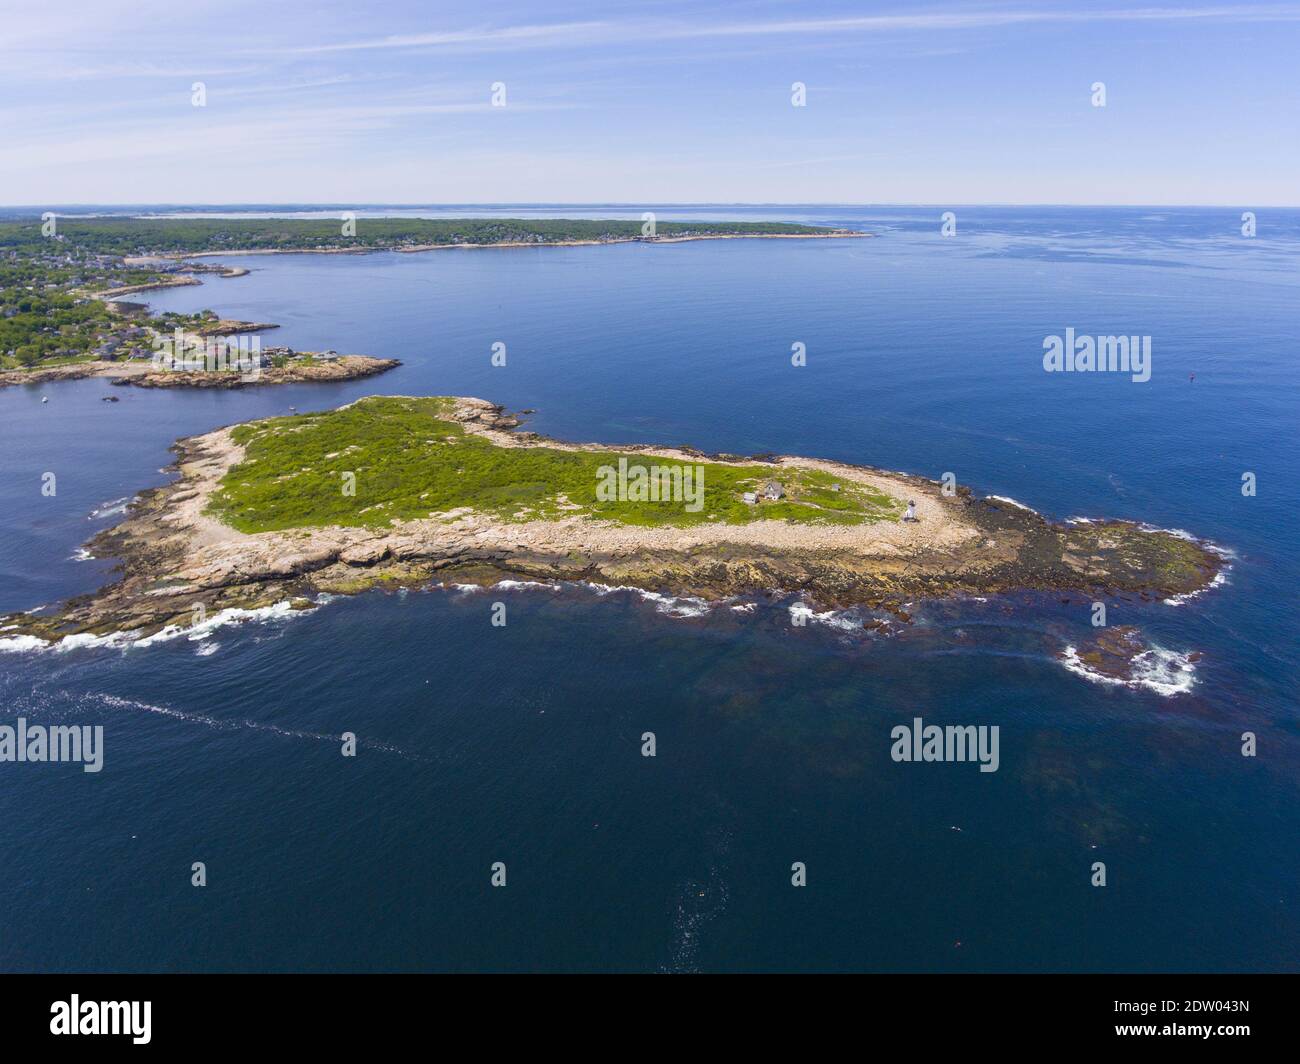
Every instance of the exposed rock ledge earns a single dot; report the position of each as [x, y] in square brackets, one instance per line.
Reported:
[144, 375]
[175, 557]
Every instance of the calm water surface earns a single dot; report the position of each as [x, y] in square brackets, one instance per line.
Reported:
[522, 744]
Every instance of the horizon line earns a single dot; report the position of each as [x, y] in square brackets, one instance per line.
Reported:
[642, 205]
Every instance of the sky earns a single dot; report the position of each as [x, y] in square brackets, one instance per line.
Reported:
[648, 102]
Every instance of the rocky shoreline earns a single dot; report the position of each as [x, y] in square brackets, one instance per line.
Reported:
[145, 375]
[345, 368]
[182, 280]
[179, 564]
[132, 289]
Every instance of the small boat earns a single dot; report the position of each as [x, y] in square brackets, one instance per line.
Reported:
[45, 398]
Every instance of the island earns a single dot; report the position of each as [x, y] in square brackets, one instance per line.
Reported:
[398, 491]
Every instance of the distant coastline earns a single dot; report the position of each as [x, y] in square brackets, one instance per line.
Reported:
[408, 250]
[62, 315]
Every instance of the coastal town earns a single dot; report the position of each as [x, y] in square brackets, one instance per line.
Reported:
[63, 283]
[64, 316]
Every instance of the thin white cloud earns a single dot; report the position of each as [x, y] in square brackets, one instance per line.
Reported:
[201, 135]
[566, 32]
[54, 70]
[581, 33]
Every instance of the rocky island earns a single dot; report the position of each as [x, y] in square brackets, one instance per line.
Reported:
[390, 491]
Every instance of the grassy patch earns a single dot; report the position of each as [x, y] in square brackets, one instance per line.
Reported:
[410, 462]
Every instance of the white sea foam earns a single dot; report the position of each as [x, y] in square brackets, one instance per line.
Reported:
[1182, 533]
[218, 724]
[1166, 672]
[1142, 526]
[844, 620]
[84, 640]
[683, 606]
[1012, 502]
[111, 508]
[132, 639]
[15, 644]
[1220, 578]
[18, 643]
[81, 555]
[672, 606]
[503, 585]
[234, 615]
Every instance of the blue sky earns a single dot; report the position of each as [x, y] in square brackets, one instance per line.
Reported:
[662, 102]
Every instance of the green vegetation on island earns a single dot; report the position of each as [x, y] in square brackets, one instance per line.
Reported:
[400, 492]
[151, 236]
[411, 460]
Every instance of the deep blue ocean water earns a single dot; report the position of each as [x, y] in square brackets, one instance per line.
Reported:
[522, 744]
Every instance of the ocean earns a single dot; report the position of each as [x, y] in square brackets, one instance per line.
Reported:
[522, 744]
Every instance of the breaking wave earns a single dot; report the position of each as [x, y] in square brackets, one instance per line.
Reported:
[526, 585]
[671, 605]
[1011, 502]
[111, 508]
[1220, 578]
[849, 620]
[132, 639]
[1165, 672]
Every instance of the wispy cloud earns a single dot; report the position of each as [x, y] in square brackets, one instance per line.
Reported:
[583, 33]
[648, 99]
[507, 36]
[46, 70]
